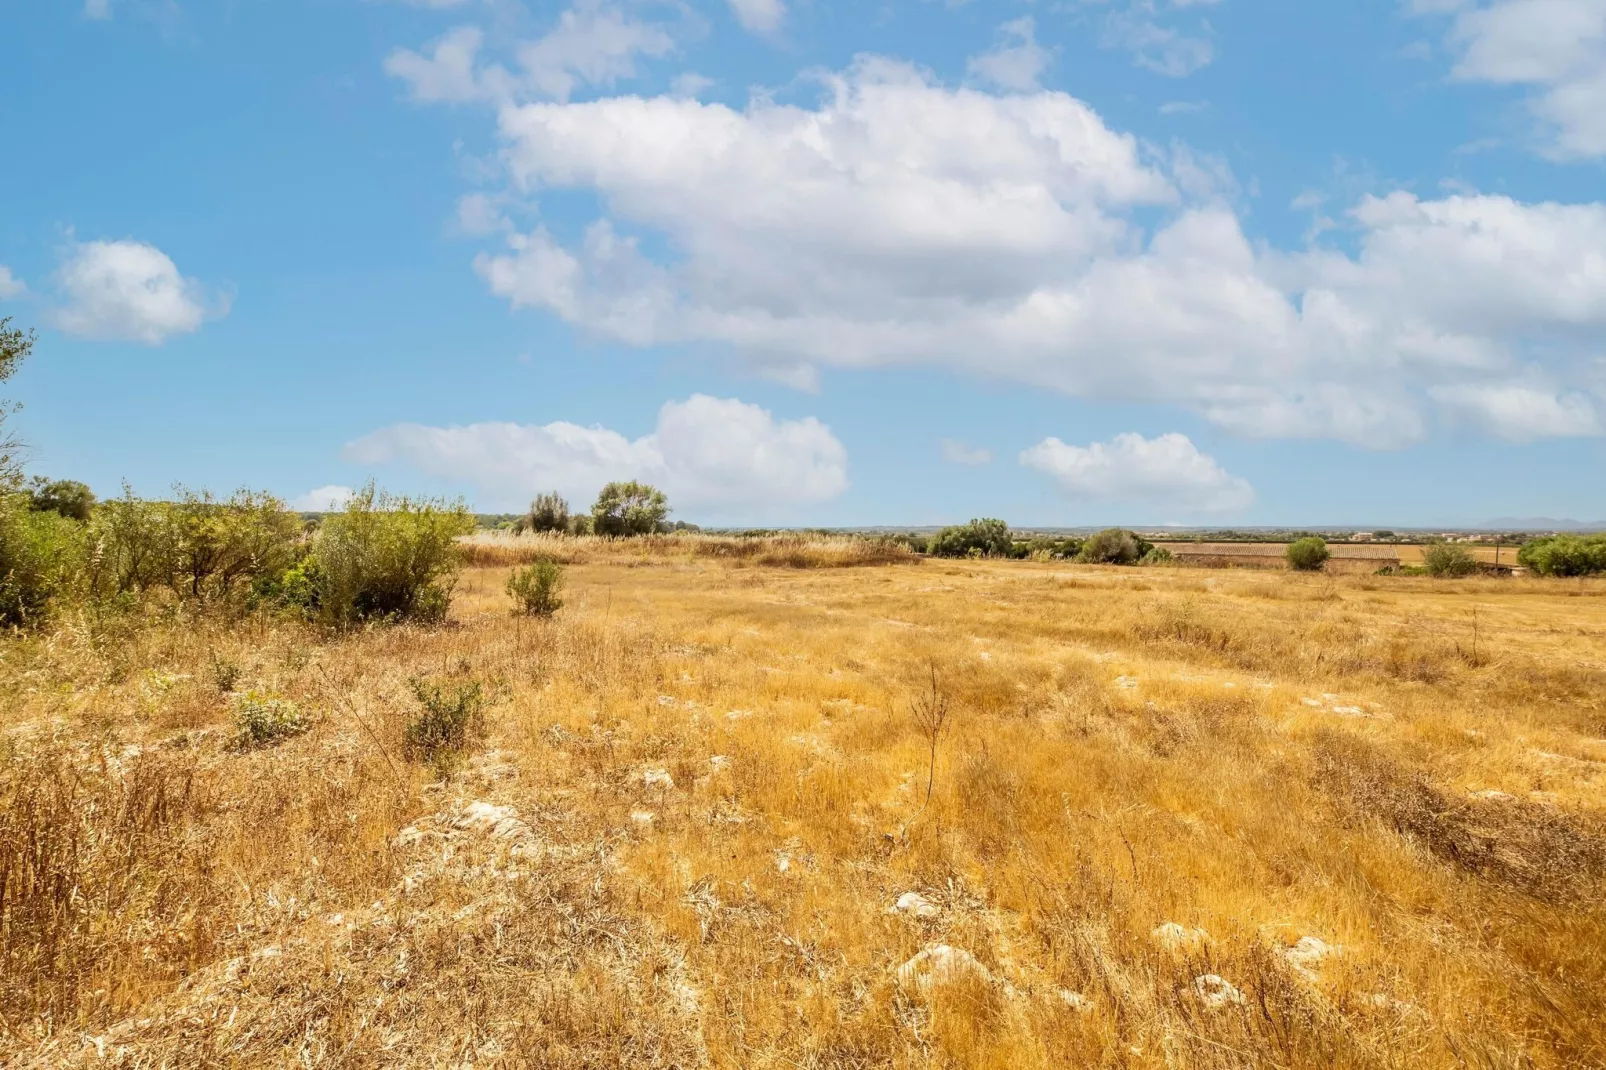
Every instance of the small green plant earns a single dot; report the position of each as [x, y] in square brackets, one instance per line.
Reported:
[450, 718]
[264, 720]
[1308, 554]
[225, 674]
[1446, 561]
[536, 588]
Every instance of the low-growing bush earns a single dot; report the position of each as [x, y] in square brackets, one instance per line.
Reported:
[1308, 554]
[979, 538]
[381, 558]
[1565, 555]
[1447, 561]
[536, 588]
[1115, 546]
[451, 717]
[264, 720]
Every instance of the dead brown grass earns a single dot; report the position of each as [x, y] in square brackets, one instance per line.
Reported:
[702, 793]
[496, 549]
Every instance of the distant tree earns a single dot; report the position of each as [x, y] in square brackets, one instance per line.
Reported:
[979, 538]
[1383, 534]
[1114, 546]
[548, 512]
[581, 524]
[1448, 561]
[68, 497]
[1309, 554]
[629, 509]
[1565, 555]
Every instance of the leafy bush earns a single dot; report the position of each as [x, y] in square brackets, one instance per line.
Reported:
[132, 546]
[979, 538]
[629, 509]
[41, 558]
[68, 497]
[1447, 561]
[380, 558]
[264, 720]
[548, 512]
[535, 588]
[1309, 554]
[1157, 555]
[1043, 548]
[1565, 555]
[215, 544]
[451, 717]
[1115, 546]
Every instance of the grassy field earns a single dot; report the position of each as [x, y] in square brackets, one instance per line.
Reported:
[1167, 818]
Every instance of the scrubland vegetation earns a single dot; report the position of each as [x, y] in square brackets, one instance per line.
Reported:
[722, 808]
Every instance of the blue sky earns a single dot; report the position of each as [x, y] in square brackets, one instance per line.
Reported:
[810, 262]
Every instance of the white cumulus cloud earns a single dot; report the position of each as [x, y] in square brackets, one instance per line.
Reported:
[1166, 470]
[323, 499]
[10, 285]
[1556, 48]
[128, 290]
[594, 42]
[1016, 62]
[722, 457]
[901, 221]
[1521, 412]
[759, 16]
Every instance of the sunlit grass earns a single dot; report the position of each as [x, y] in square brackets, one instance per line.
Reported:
[701, 793]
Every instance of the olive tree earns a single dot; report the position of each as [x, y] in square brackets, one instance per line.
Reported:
[629, 509]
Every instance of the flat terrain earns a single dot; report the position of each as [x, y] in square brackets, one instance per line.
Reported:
[1176, 818]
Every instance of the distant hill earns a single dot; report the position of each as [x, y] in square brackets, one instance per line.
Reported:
[1541, 523]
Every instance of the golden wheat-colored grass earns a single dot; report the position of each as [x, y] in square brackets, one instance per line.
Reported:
[702, 791]
[499, 549]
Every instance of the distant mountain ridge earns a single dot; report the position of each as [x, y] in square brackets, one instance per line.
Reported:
[1541, 523]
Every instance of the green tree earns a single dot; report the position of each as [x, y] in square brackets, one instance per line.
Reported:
[1448, 561]
[41, 560]
[1565, 555]
[1114, 546]
[980, 538]
[68, 497]
[629, 509]
[548, 512]
[1309, 554]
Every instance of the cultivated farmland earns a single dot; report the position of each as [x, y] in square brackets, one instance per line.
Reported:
[733, 809]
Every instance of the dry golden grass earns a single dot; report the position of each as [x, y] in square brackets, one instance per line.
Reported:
[500, 550]
[702, 790]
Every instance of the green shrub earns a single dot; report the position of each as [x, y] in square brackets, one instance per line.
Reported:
[42, 558]
[628, 509]
[450, 718]
[1447, 561]
[214, 545]
[132, 546]
[65, 496]
[1157, 555]
[979, 538]
[1309, 554]
[536, 588]
[263, 720]
[548, 512]
[1114, 546]
[380, 558]
[1565, 555]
